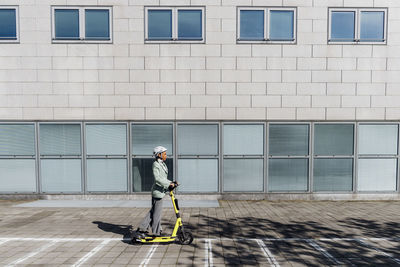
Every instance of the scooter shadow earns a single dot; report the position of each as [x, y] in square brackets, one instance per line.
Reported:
[124, 230]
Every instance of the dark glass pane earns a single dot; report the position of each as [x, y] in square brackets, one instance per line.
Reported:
[67, 23]
[281, 25]
[252, 24]
[288, 175]
[97, 24]
[8, 24]
[372, 26]
[159, 24]
[190, 24]
[142, 172]
[288, 140]
[342, 26]
[333, 174]
[333, 139]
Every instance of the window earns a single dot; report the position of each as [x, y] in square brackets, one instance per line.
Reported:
[288, 157]
[17, 158]
[174, 24]
[198, 157]
[357, 25]
[243, 157]
[144, 138]
[106, 153]
[377, 157]
[266, 25]
[60, 158]
[333, 157]
[82, 24]
[9, 24]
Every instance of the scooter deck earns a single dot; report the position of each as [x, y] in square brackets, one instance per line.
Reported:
[149, 239]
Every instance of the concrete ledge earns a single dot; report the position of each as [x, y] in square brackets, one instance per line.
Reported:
[225, 196]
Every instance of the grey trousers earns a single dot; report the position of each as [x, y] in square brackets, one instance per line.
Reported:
[153, 217]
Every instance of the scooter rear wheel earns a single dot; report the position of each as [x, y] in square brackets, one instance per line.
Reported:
[185, 238]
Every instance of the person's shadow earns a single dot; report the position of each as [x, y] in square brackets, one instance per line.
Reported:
[124, 230]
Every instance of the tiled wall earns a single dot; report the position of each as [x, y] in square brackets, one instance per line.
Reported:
[218, 80]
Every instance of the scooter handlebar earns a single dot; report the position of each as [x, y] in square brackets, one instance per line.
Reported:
[172, 187]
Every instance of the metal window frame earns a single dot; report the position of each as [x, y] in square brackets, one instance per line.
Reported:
[17, 31]
[82, 25]
[267, 10]
[134, 156]
[353, 157]
[125, 157]
[199, 157]
[174, 38]
[308, 157]
[244, 156]
[357, 21]
[33, 157]
[380, 156]
[44, 157]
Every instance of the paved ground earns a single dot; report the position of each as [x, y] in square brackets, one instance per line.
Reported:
[238, 233]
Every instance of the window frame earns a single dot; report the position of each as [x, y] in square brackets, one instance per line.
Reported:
[175, 39]
[41, 157]
[82, 26]
[12, 40]
[353, 157]
[357, 23]
[377, 156]
[267, 26]
[227, 156]
[308, 157]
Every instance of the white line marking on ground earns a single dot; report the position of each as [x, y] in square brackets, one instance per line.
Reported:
[42, 248]
[146, 260]
[267, 253]
[208, 253]
[91, 253]
[323, 251]
[390, 256]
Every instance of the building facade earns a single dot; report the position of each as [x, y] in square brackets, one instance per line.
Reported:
[275, 99]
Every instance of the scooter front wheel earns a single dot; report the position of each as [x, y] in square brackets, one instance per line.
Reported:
[185, 238]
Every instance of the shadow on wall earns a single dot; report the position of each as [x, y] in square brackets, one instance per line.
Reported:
[247, 252]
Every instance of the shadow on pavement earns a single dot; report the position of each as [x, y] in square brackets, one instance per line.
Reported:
[123, 230]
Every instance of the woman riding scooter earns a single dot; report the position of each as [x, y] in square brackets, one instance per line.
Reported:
[160, 186]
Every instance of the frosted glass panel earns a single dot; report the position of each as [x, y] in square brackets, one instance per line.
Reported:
[17, 140]
[333, 139]
[333, 174]
[377, 139]
[60, 139]
[198, 139]
[107, 175]
[243, 139]
[243, 175]
[61, 175]
[146, 137]
[17, 175]
[106, 139]
[377, 174]
[288, 175]
[285, 140]
[198, 175]
[142, 172]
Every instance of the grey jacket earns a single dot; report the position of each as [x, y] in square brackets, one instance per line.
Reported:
[161, 182]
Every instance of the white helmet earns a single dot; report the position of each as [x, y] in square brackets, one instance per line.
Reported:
[158, 149]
